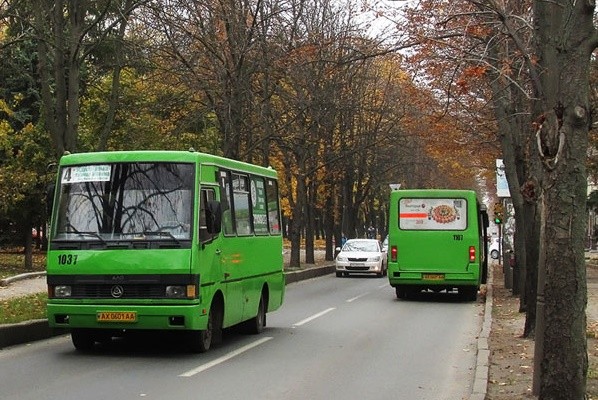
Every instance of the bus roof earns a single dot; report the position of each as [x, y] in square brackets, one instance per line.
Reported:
[163, 156]
[433, 193]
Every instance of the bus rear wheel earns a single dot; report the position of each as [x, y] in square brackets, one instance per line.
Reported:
[469, 293]
[401, 292]
[257, 324]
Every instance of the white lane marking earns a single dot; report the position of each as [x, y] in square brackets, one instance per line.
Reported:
[356, 297]
[306, 320]
[224, 358]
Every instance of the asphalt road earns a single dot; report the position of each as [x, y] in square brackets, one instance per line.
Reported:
[334, 338]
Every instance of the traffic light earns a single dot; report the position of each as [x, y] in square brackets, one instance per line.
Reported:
[498, 213]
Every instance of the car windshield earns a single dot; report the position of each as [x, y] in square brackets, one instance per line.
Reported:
[367, 246]
[125, 200]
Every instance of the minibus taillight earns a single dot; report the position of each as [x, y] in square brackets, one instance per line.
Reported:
[393, 253]
[471, 253]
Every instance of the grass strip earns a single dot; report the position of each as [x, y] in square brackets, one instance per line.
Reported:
[23, 308]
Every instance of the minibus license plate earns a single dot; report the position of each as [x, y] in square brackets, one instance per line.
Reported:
[116, 316]
[434, 277]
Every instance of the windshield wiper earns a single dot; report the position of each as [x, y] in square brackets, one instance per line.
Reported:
[84, 233]
[160, 234]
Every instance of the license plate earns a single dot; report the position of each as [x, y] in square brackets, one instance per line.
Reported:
[357, 265]
[433, 277]
[116, 316]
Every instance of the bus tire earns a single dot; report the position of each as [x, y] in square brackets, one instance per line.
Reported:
[201, 341]
[83, 339]
[469, 293]
[401, 293]
[256, 324]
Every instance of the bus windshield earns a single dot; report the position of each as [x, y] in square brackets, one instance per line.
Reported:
[124, 201]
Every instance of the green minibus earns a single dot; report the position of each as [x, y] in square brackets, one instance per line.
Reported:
[437, 241]
[177, 241]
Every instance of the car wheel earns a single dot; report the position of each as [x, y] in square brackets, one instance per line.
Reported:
[494, 254]
[339, 274]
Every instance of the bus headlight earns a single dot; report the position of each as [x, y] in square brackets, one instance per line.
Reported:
[180, 291]
[62, 291]
[177, 292]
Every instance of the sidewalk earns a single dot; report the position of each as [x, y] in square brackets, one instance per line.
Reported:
[23, 285]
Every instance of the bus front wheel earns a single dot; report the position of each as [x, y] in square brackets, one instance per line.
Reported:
[83, 339]
[200, 341]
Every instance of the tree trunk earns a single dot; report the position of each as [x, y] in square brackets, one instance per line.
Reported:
[309, 224]
[297, 224]
[564, 41]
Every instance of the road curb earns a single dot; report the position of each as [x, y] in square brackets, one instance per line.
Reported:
[301, 275]
[29, 331]
[480, 382]
[20, 277]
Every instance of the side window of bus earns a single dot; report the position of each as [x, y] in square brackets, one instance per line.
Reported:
[226, 202]
[207, 195]
[259, 205]
[241, 204]
[273, 207]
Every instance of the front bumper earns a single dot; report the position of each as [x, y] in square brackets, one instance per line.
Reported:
[164, 317]
[373, 267]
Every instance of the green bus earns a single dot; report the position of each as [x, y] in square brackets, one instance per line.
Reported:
[163, 241]
[437, 241]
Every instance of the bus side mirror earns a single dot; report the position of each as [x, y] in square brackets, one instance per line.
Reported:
[50, 189]
[214, 217]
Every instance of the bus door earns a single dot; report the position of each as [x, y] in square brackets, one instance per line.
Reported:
[209, 242]
[232, 247]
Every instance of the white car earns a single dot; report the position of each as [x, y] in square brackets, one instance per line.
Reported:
[494, 248]
[361, 256]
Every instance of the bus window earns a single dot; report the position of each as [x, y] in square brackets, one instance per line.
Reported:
[226, 201]
[273, 210]
[241, 204]
[207, 195]
[258, 206]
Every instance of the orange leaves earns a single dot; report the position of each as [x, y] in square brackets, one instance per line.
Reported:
[469, 75]
[477, 30]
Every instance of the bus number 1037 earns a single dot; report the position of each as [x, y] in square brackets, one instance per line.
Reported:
[67, 259]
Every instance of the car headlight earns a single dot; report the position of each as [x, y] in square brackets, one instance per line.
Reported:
[377, 258]
[340, 258]
[63, 291]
